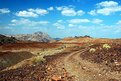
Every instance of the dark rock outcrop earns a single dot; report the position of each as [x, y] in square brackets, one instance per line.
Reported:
[6, 40]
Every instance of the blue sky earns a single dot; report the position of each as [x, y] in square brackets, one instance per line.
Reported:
[62, 18]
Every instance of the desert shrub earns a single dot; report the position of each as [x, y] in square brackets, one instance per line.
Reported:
[106, 46]
[38, 59]
[92, 50]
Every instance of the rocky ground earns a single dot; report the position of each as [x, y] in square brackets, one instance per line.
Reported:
[75, 63]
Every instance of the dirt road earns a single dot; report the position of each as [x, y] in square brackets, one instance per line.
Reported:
[67, 66]
[83, 70]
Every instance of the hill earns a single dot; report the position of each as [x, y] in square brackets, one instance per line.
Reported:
[88, 39]
[5, 40]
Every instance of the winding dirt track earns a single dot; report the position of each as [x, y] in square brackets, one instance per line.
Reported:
[70, 66]
[84, 70]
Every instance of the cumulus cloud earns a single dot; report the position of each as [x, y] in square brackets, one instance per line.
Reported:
[39, 11]
[50, 8]
[97, 21]
[80, 12]
[70, 11]
[107, 4]
[92, 12]
[119, 22]
[71, 25]
[27, 22]
[32, 13]
[4, 11]
[59, 24]
[61, 8]
[26, 14]
[78, 21]
[108, 11]
[60, 21]
[106, 8]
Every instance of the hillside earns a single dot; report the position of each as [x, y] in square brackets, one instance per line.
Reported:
[5, 40]
[88, 39]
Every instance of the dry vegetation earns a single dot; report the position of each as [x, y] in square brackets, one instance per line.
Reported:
[62, 61]
[109, 55]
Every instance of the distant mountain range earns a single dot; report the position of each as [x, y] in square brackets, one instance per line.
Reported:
[37, 36]
[57, 39]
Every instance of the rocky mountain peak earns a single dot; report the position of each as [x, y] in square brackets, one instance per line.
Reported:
[37, 36]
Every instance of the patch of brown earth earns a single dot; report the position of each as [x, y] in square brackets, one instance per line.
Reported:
[8, 59]
[28, 45]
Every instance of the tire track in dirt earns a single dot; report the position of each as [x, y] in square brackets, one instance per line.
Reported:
[86, 71]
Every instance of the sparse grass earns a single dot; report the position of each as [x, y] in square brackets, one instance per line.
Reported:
[38, 59]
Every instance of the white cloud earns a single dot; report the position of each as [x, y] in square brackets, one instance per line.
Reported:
[50, 8]
[74, 22]
[92, 12]
[97, 21]
[80, 12]
[32, 12]
[60, 21]
[106, 8]
[59, 8]
[27, 22]
[71, 25]
[70, 11]
[26, 14]
[59, 24]
[108, 11]
[107, 4]
[39, 11]
[119, 22]
[78, 21]
[14, 20]
[4, 11]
